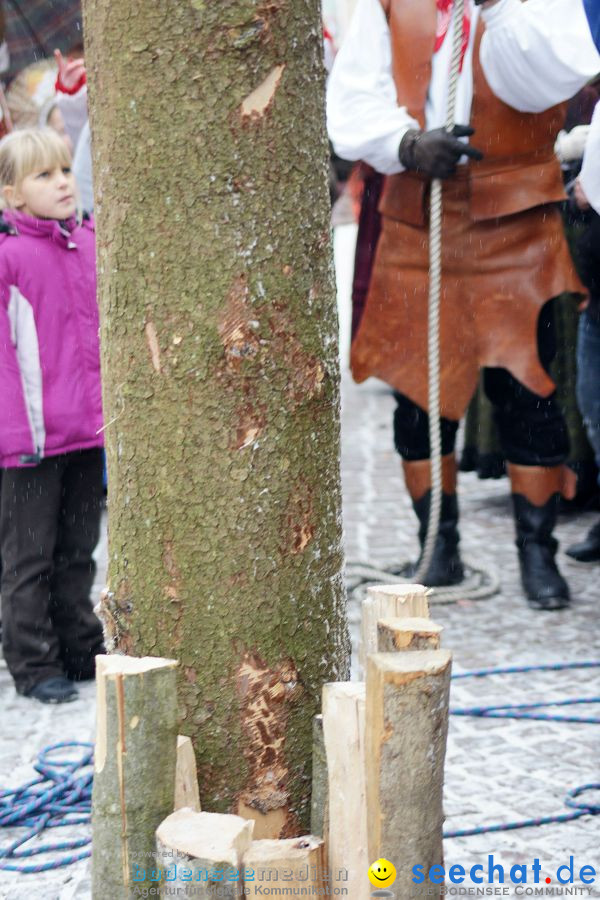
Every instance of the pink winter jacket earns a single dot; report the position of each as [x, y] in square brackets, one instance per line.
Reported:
[50, 394]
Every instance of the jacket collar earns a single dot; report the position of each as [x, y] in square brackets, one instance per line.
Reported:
[60, 232]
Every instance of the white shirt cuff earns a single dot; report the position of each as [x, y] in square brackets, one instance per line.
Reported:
[391, 146]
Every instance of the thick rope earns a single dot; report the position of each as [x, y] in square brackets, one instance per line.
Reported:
[524, 711]
[478, 584]
[435, 293]
[59, 797]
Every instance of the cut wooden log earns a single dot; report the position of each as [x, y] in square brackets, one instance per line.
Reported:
[187, 792]
[344, 732]
[385, 601]
[201, 853]
[407, 725]
[319, 800]
[134, 766]
[284, 867]
[394, 635]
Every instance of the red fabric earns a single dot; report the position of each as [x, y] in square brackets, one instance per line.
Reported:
[445, 12]
[60, 87]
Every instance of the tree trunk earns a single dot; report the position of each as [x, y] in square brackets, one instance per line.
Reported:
[221, 377]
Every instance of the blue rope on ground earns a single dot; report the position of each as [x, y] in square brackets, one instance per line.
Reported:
[59, 797]
[523, 711]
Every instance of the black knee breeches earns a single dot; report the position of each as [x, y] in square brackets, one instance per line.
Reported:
[531, 428]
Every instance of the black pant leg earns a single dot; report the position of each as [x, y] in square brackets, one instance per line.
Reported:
[28, 527]
[77, 626]
[531, 428]
[411, 430]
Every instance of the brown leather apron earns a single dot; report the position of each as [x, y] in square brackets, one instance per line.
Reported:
[504, 250]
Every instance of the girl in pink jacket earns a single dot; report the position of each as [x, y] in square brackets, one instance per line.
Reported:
[50, 421]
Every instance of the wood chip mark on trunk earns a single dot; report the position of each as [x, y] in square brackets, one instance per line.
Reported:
[152, 341]
[265, 698]
[256, 103]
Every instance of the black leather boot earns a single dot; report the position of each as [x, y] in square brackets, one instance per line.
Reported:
[544, 585]
[587, 550]
[445, 567]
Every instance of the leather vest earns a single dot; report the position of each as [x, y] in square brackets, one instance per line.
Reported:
[519, 171]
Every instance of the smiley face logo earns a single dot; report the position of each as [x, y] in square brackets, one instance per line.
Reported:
[382, 873]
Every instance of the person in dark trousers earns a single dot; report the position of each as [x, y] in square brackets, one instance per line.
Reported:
[587, 196]
[51, 424]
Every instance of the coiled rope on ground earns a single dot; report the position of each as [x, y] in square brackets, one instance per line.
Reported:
[60, 796]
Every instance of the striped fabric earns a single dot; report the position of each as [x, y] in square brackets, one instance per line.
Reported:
[34, 28]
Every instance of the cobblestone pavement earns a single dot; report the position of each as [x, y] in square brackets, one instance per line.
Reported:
[496, 770]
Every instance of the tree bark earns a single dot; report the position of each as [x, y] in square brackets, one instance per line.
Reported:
[221, 377]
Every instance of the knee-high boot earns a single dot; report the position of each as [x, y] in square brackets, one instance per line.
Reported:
[445, 567]
[536, 491]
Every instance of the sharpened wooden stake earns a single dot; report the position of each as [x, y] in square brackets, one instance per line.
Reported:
[202, 853]
[344, 732]
[187, 792]
[396, 635]
[385, 601]
[319, 811]
[134, 766]
[407, 725]
[284, 867]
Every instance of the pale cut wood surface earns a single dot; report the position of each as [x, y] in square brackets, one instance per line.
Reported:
[285, 865]
[397, 635]
[388, 601]
[187, 792]
[344, 733]
[197, 846]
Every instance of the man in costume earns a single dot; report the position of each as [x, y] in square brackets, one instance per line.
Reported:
[504, 258]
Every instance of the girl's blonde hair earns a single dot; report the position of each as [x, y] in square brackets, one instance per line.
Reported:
[30, 150]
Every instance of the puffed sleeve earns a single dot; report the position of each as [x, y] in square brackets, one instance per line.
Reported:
[364, 119]
[538, 53]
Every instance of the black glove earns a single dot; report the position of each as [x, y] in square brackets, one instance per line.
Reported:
[436, 152]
